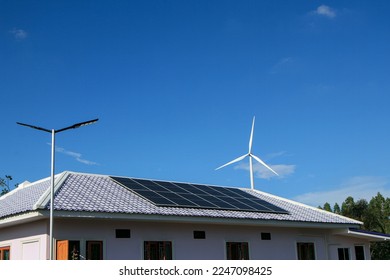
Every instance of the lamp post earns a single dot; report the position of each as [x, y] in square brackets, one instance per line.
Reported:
[53, 133]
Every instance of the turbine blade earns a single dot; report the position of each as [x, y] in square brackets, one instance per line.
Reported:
[263, 163]
[251, 137]
[233, 161]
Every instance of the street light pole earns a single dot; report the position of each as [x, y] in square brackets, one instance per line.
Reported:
[53, 133]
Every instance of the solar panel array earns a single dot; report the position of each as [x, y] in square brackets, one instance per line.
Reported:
[172, 194]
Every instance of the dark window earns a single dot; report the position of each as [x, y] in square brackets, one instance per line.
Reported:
[359, 252]
[4, 253]
[158, 250]
[305, 251]
[199, 234]
[74, 250]
[122, 233]
[237, 251]
[94, 250]
[343, 253]
[265, 236]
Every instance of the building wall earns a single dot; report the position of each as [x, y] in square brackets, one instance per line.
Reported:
[281, 246]
[30, 241]
[26, 242]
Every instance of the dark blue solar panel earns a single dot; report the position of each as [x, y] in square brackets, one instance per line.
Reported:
[200, 201]
[153, 197]
[197, 196]
[151, 185]
[130, 183]
[172, 187]
[178, 199]
[190, 188]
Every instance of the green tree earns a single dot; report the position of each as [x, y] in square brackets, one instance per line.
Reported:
[378, 219]
[327, 207]
[347, 207]
[336, 208]
[4, 184]
[359, 210]
[375, 216]
[378, 214]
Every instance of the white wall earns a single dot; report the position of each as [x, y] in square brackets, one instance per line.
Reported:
[30, 241]
[281, 246]
[27, 242]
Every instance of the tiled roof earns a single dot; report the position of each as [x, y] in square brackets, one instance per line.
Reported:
[23, 199]
[100, 193]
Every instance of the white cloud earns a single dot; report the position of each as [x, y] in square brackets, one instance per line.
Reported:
[261, 172]
[76, 156]
[361, 187]
[18, 34]
[326, 11]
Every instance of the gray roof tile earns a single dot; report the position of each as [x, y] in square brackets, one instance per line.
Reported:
[99, 193]
[22, 199]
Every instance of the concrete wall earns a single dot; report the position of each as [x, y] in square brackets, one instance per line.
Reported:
[30, 241]
[27, 242]
[281, 246]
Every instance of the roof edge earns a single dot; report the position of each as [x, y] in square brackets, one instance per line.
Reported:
[21, 218]
[198, 219]
[372, 235]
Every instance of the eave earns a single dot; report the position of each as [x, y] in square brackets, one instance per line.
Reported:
[198, 220]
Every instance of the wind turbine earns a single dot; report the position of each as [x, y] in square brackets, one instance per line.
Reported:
[250, 155]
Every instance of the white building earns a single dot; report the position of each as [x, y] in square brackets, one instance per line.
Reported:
[105, 217]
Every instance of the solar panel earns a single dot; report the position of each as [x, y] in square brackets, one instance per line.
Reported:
[172, 194]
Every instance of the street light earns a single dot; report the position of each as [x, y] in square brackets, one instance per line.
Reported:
[53, 132]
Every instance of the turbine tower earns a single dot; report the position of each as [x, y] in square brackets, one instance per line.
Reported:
[250, 155]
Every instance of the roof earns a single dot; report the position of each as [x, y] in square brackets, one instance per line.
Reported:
[371, 235]
[92, 193]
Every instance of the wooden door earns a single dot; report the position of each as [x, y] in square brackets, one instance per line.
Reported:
[62, 249]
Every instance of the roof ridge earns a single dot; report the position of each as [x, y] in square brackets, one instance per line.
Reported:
[45, 197]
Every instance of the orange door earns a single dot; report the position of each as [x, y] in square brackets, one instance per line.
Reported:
[62, 249]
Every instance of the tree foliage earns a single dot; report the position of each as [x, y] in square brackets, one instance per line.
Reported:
[4, 184]
[375, 216]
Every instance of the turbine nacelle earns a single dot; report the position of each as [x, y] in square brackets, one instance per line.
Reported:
[250, 155]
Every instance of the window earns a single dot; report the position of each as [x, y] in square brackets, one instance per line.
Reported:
[5, 253]
[305, 251]
[265, 236]
[199, 234]
[343, 253]
[158, 250]
[122, 233]
[359, 252]
[94, 250]
[237, 251]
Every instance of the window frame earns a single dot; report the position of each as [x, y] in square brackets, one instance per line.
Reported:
[88, 249]
[2, 253]
[343, 253]
[265, 236]
[163, 250]
[301, 248]
[239, 249]
[122, 233]
[363, 252]
[199, 234]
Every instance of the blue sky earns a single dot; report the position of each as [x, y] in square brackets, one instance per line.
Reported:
[176, 84]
